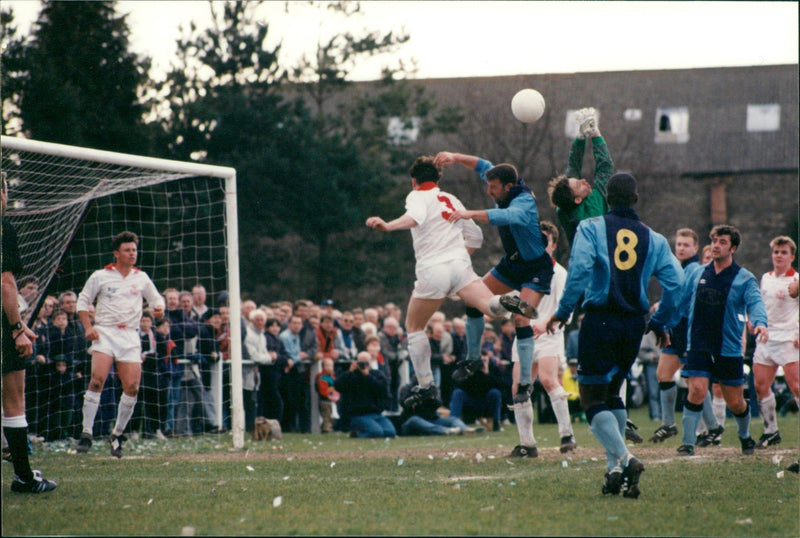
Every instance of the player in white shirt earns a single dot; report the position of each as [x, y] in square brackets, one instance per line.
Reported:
[119, 289]
[549, 359]
[779, 291]
[442, 250]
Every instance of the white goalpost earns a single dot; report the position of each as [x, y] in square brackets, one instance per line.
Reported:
[67, 202]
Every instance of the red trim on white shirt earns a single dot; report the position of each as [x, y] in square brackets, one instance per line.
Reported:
[427, 186]
[113, 267]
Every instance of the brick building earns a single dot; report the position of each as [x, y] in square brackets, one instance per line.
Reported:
[706, 145]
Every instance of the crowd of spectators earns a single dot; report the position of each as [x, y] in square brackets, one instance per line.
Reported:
[281, 343]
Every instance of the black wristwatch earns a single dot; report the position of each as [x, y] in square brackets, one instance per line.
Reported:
[17, 326]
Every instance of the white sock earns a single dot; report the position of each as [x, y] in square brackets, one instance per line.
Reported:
[91, 401]
[558, 400]
[623, 390]
[419, 350]
[124, 413]
[523, 415]
[767, 408]
[718, 404]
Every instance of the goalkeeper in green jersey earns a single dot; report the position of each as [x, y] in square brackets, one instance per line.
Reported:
[575, 199]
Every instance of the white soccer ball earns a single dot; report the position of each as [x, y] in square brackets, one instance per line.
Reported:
[527, 105]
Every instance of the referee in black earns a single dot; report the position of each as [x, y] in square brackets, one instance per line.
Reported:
[17, 344]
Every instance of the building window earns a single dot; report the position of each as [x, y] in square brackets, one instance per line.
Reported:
[672, 125]
[570, 127]
[403, 132]
[763, 118]
[632, 114]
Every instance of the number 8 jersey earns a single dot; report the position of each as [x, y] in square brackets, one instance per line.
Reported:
[435, 239]
[612, 260]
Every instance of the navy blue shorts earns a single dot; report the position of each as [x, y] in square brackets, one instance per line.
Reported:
[724, 370]
[12, 362]
[607, 346]
[517, 274]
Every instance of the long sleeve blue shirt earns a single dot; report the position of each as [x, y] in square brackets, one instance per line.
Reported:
[521, 217]
[743, 301]
[591, 274]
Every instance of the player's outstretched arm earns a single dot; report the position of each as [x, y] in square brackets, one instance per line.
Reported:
[405, 222]
[446, 158]
[476, 214]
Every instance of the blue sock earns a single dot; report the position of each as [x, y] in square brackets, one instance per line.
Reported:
[605, 427]
[743, 423]
[622, 420]
[691, 417]
[475, 327]
[669, 393]
[708, 413]
[525, 350]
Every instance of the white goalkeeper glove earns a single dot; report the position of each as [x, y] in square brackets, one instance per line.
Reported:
[586, 118]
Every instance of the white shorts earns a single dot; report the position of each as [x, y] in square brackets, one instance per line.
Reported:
[547, 345]
[443, 279]
[122, 344]
[771, 353]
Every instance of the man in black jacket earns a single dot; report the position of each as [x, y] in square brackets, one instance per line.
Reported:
[367, 392]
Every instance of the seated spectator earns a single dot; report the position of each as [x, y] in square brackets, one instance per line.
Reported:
[479, 395]
[367, 395]
[425, 420]
[325, 382]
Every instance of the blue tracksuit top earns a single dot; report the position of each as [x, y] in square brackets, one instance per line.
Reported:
[590, 272]
[743, 298]
[521, 217]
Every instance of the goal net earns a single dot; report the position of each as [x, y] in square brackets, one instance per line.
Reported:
[66, 204]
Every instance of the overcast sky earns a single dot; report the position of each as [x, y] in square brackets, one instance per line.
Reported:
[489, 38]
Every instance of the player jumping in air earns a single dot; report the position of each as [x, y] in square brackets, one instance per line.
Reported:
[443, 267]
[526, 266]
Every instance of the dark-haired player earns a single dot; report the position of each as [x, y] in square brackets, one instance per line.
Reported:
[574, 198]
[119, 289]
[719, 295]
[442, 249]
[526, 265]
[612, 260]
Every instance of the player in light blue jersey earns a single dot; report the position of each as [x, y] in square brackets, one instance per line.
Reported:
[612, 260]
[719, 295]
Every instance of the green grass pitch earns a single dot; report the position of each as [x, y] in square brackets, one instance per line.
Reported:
[331, 484]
